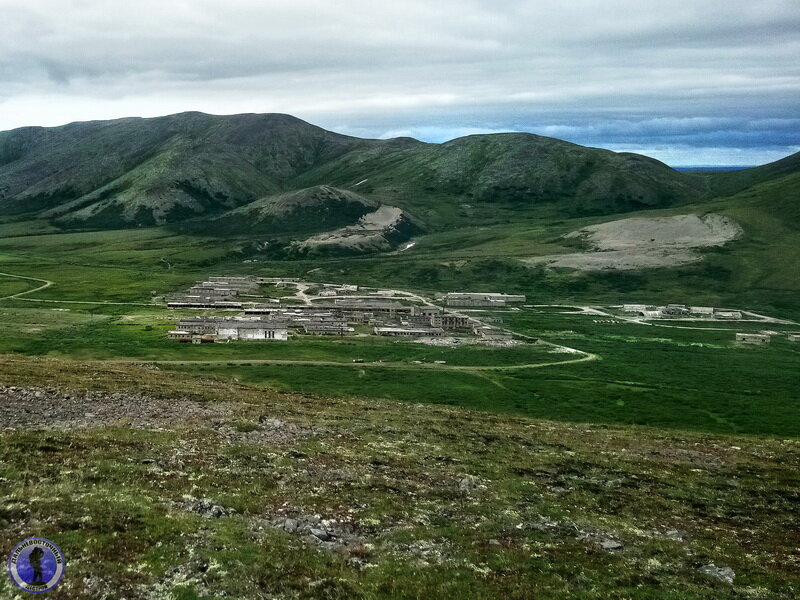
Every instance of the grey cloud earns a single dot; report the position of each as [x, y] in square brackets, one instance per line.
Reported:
[637, 72]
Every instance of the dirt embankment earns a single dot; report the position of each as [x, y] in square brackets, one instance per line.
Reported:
[645, 242]
[379, 230]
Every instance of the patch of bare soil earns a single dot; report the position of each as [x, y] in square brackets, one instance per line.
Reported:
[49, 408]
[369, 234]
[645, 242]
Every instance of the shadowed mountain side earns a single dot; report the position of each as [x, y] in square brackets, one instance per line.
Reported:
[110, 174]
[319, 208]
[516, 169]
[143, 171]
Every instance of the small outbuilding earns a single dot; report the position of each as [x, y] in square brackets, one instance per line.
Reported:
[752, 338]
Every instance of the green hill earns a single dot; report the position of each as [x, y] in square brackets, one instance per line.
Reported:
[190, 487]
[516, 169]
[110, 174]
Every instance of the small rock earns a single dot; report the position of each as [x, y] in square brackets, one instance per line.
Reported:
[725, 574]
[610, 545]
[468, 483]
[290, 525]
[321, 534]
[356, 562]
[206, 508]
[677, 535]
[494, 542]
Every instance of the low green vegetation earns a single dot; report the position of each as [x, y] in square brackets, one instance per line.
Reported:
[433, 502]
[661, 374]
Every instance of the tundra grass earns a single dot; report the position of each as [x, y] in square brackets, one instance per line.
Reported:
[646, 374]
[541, 497]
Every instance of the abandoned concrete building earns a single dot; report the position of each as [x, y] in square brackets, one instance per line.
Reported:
[728, 315]
[328, 328]
[268, 319]
[636, 308]
[262, 280]
[199, 329]
[675, 310]
[430, 316]
[199, 302]
[752, 338]
[480, 299]
[681, 311]
[410, 331]
[215, 292]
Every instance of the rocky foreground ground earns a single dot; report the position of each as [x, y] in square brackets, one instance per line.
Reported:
[157, 485]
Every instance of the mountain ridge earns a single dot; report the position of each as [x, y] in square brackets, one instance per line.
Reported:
[223, 175]
[192, 163]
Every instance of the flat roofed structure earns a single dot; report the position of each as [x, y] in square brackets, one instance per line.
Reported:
[634, 307]
[728, 315]
[328, 329]
[410, 331]
[199, 303]
[481, 299]
[752, 338]
[235, 329]
[277, 279]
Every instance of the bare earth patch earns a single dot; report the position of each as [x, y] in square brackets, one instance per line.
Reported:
[370, 233]
[48, 408]
[644, 242]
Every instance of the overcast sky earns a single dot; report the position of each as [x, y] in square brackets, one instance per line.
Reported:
[686, 81]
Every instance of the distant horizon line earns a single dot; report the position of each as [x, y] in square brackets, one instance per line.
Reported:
[710, 167]
[677, 167]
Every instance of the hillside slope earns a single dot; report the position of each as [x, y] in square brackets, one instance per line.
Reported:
[345, 223]
[726, 183]
[519, 170]
[108, 174]
[219, 489]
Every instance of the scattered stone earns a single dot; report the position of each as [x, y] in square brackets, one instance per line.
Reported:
[677, 535]
[468, 483]
[494, 542]
[321, 534]
[290, 525]
[48, 408]
[205, 507]
[610, 545]
[724, 574]
[330, 534]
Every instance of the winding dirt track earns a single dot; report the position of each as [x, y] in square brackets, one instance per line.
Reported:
[45, 282]
[585, 357]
